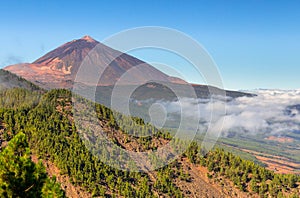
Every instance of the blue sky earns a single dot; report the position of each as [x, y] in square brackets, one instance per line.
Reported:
[256, 44]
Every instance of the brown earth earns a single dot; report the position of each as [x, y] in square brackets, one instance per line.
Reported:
[278, 164]
[280, 139]
[202, 186]
[64, 180]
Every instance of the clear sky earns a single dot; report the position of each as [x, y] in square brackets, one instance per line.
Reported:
[256, 44]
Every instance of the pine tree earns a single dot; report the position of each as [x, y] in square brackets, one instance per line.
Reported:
[19, 176]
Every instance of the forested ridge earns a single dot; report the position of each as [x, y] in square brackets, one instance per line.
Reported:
[46, 120]
[245, 174]
[9, 80]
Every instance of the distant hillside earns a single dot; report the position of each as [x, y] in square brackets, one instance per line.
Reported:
[9, 80]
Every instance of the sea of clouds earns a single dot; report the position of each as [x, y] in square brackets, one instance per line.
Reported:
[271, 112]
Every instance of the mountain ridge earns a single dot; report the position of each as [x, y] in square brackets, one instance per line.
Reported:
[9, 80]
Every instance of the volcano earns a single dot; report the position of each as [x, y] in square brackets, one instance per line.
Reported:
[58, 68]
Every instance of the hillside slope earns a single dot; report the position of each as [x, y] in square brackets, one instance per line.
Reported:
[9, 80]
[54, 138]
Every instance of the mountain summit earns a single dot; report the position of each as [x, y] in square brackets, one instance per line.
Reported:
[88, 39]
[67, 58]
[58, 68]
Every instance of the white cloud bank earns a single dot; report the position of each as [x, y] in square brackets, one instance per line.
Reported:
[267, 113]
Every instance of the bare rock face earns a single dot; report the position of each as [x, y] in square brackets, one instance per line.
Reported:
[58, 68]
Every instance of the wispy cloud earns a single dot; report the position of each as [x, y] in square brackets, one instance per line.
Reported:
[11, 59]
